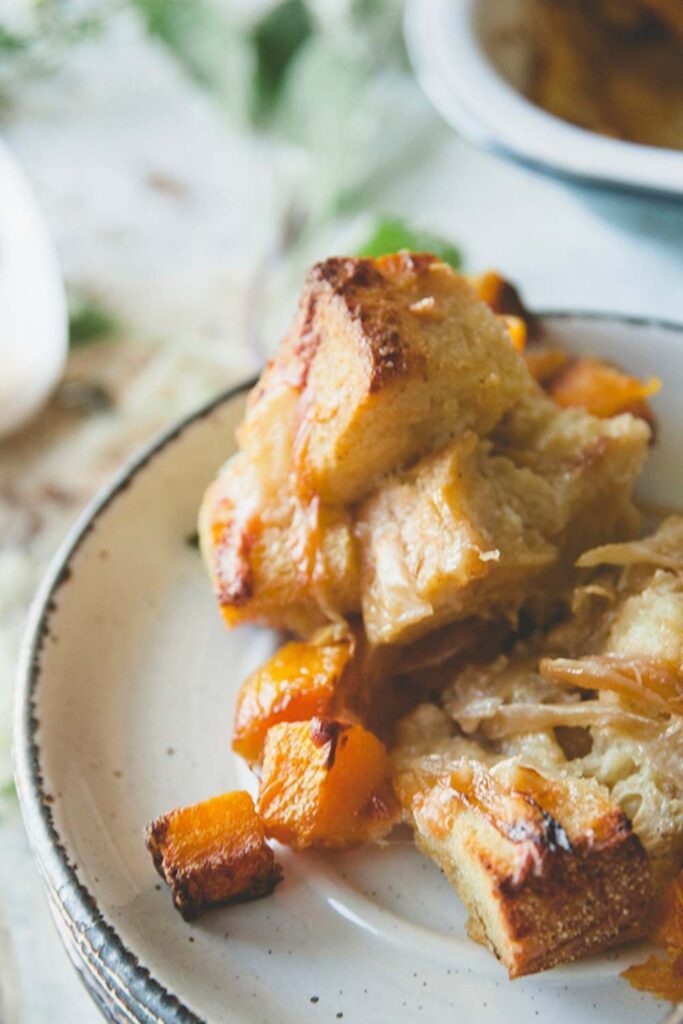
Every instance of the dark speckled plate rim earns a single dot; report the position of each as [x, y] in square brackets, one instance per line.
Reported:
[123, 989]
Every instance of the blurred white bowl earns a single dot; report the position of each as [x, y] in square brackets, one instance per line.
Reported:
[33, 317]
[448, 42]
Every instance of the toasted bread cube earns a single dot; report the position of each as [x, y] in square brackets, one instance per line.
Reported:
[213, 853]
[434, 538]
[273, 560]
[571, 743]
[325, 783]
[393, 357]
[301, 681]
[485, 526]
[548, 783]
[548, 868]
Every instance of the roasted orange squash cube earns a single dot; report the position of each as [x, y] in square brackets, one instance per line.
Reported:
[213, 853]
[669, 926]
[601, 389]
[499, 294]
[516, 329]
[299, 682]
[545, 362]
[663, 975]
[325, 783]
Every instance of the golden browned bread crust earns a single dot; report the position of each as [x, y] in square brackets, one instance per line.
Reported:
[389, 358]
[576, 902]
[547, 865]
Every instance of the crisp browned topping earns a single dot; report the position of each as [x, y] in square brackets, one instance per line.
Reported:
[545, 879]
[234, 572]
[306, 344]
[328, 730]
[362, 288]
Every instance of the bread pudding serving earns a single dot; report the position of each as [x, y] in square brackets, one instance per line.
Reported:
[436, 506]
[398, 462]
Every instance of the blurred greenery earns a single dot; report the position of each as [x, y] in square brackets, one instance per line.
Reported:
[329, 78]
[10, 42]
[89, 321]
[276, 39]
[390, 234]
[8, 789]
[35, 36]
[209, 44]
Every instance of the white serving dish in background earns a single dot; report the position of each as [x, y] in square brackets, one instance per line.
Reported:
[33, 318]
[450, 42]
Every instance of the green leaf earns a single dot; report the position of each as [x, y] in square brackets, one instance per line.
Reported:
[11, 43]
[8, 789]
[276, 38]
[209, 45]
[391, 234]
[89, 322]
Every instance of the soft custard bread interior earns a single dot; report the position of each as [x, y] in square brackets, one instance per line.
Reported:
[488, 526]
[398, 461]
[548, 784]
[273, 559]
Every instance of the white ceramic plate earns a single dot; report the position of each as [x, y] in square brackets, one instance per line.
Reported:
[33, 323]
[124, 708]
[450, 46]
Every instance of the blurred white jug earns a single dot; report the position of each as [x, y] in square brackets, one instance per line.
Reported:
[33, 316]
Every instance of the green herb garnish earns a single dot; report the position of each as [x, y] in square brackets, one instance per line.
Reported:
[391, 234]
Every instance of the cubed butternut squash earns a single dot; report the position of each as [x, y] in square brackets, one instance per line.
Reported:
[662, 976]
[213, 853]
[325, 783]
[602, 389]
[545, 362]
[299, 682]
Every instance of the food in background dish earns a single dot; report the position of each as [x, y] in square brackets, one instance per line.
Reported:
[612, 66]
